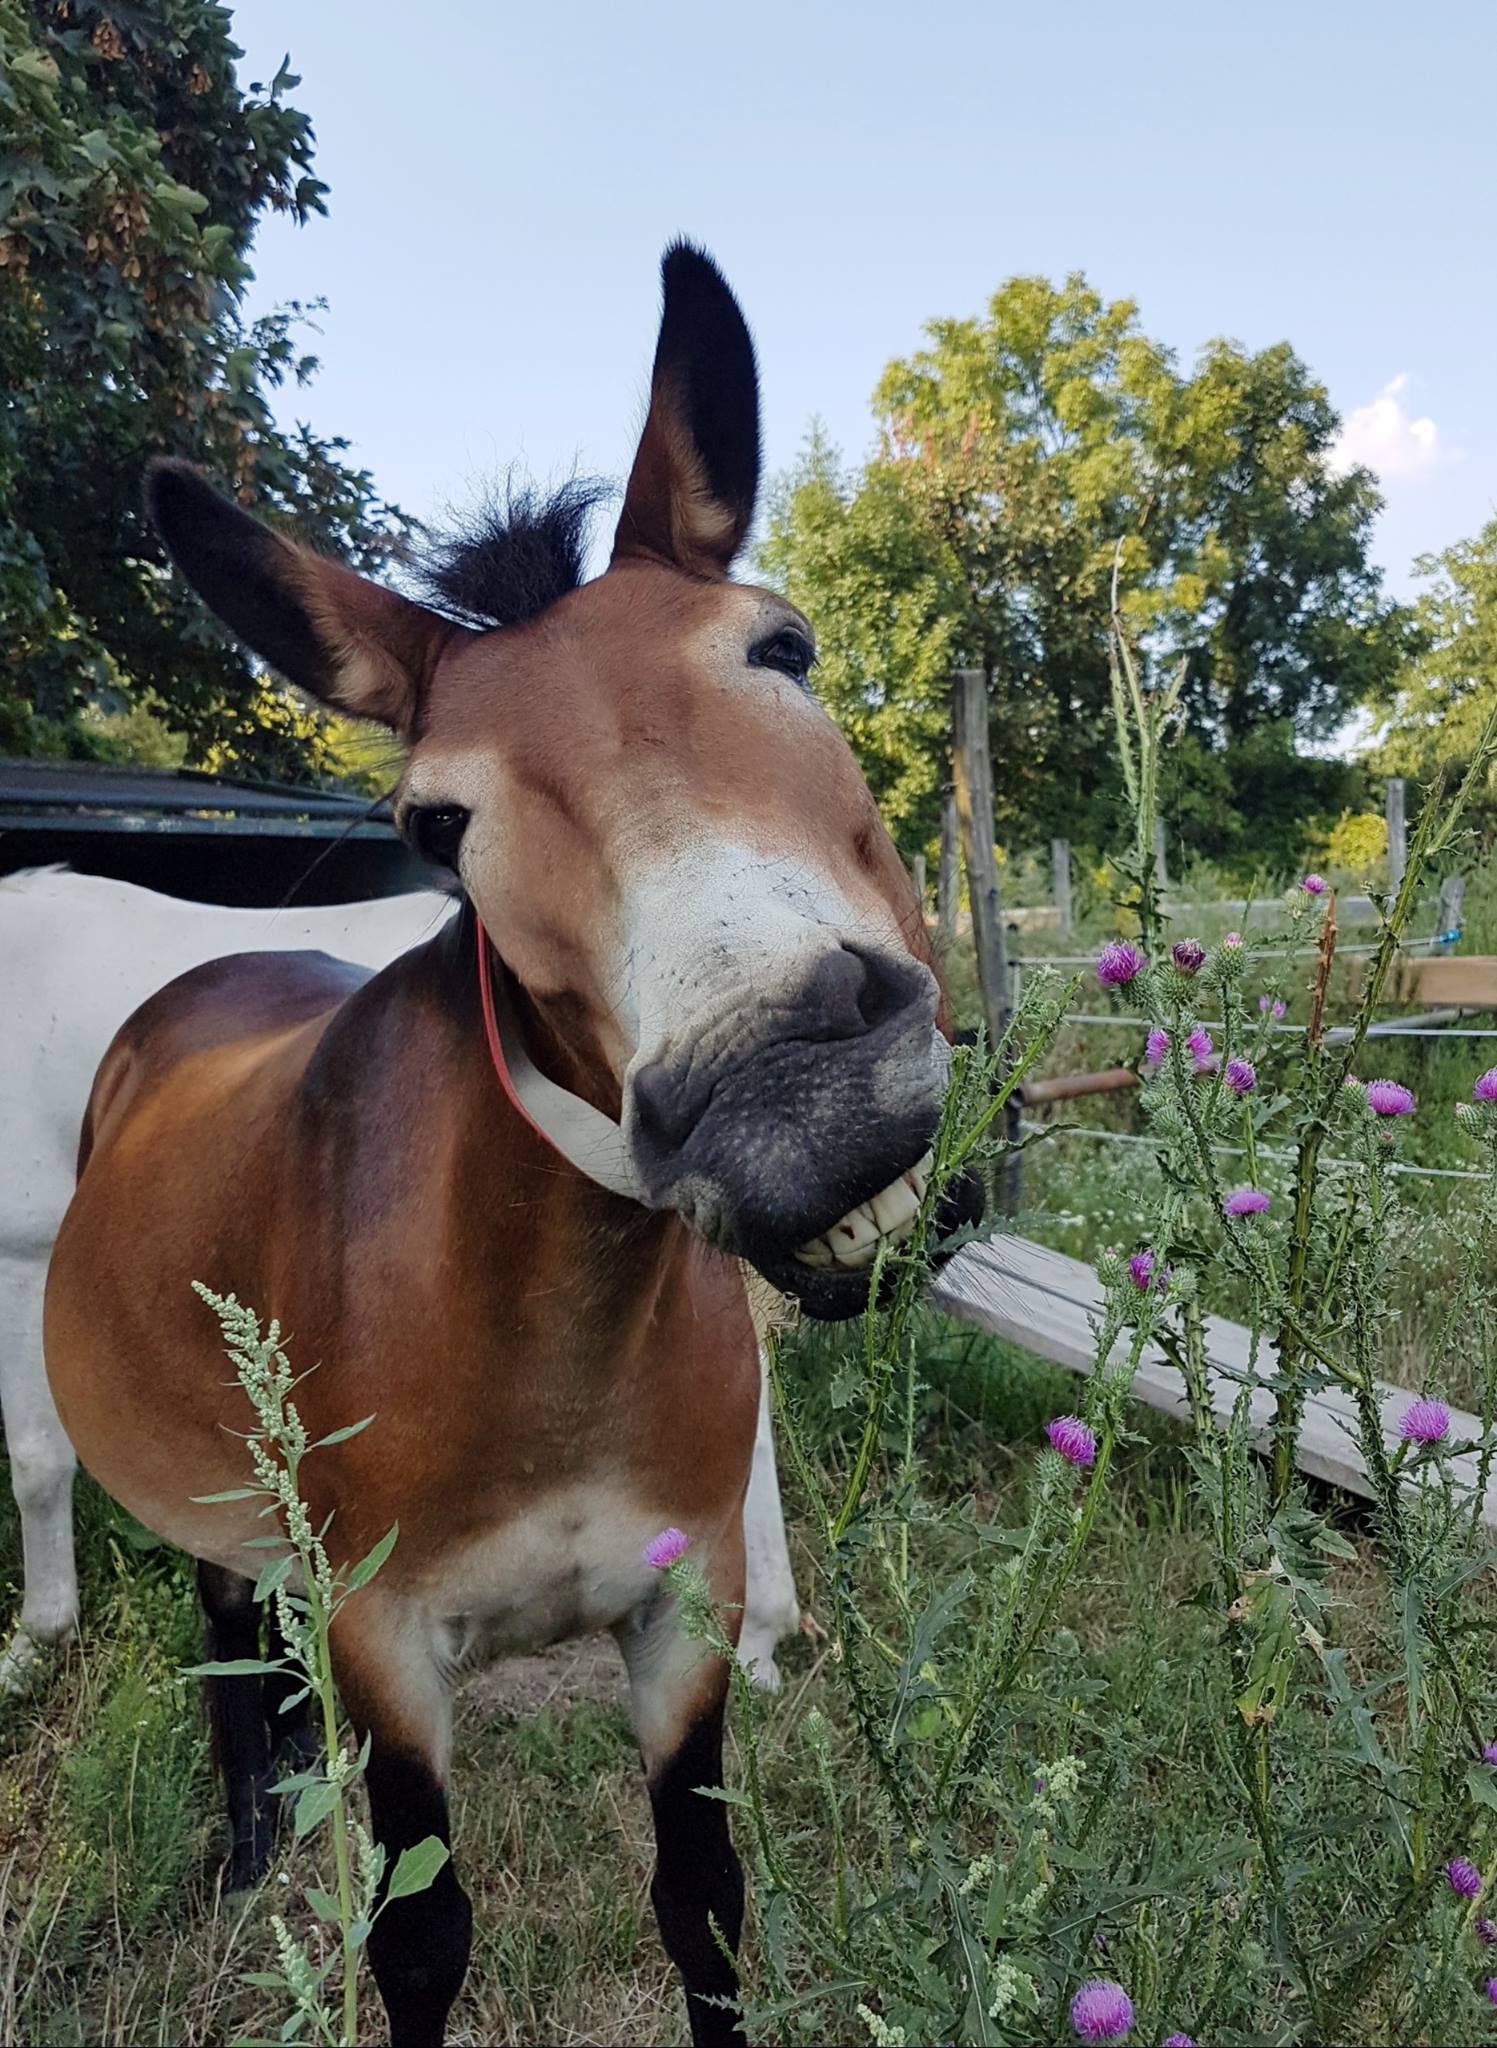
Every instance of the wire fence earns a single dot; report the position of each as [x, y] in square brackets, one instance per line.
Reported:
[1392, 1029]
[1029, 1125]
[1449, 938]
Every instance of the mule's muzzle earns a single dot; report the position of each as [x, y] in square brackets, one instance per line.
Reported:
[800, 1151]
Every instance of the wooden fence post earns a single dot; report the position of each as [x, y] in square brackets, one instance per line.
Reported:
[947, 891]
[972, 773]
[1452, 898]
[1398, 843]
[1060, 883]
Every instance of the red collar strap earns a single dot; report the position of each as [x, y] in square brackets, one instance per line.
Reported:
[584, 1136]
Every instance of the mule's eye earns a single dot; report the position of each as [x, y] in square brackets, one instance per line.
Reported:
[788, 651]
[437, 832]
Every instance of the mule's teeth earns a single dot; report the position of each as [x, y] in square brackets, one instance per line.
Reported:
[858, 1256]
[859, 1227]
[817, 1253]
[895, 1207]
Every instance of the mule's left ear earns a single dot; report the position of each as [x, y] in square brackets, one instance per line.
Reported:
[691, 494]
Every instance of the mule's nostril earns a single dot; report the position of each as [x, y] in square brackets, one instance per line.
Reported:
[886, 987]
[663, 1113]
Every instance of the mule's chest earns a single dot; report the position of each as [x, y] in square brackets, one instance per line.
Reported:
[567, 1564]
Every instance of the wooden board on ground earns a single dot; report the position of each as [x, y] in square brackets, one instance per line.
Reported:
[1045, 1302]
[1467, 979]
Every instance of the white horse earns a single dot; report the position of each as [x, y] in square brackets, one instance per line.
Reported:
[77, 955]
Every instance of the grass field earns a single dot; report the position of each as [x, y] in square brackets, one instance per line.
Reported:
[108, 1822]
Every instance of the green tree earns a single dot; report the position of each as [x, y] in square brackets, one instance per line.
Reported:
[133, 173]
[1015, 451]
[1444, 695]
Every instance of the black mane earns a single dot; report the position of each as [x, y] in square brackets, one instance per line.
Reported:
[524, 550]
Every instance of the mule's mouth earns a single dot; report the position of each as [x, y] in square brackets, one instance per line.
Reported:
[852, 1243]
[830, 1274]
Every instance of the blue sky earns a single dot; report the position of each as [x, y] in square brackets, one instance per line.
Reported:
[504, 178]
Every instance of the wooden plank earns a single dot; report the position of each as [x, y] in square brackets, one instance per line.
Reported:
[1466, 979]
[1046, 1302]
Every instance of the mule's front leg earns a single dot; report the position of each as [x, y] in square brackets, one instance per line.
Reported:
[41, 1471]
[418, 1946]
[677, 1693]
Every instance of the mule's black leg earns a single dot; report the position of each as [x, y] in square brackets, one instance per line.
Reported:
[418, 1948]
[236, 1714]
[698, 1880]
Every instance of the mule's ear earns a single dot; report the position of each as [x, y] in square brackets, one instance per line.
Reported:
[690, 500]
[350, 643]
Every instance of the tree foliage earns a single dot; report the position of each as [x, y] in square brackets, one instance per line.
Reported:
[1444, 696]
[1015, 451]
[134, 172]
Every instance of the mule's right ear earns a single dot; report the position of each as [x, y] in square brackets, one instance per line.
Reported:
[350, 643]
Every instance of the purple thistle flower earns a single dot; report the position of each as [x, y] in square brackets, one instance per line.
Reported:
[1178, 2041]
[1189, 956]
[1070, 1436]
[1102, 2011]
[1492, 1989]
[1141, 1267]
[664, 1550]
[1118, 963]
[1245, 1202]
[1314, 885]
[1158, 1044]
[1425, 1422]
[1199, 1044]
[1232, 939]
[1242, 1076]
[1389, 1098]
[1489, 1753]
[1272, 1005]
[1486, 1932]
[1486, 1086]
[1464, 1878]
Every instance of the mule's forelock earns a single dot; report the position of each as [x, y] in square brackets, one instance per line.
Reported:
[522, 551]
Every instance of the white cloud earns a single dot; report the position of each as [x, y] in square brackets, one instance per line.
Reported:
[1384, 438]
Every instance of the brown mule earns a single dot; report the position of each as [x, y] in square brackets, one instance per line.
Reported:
[702, 940]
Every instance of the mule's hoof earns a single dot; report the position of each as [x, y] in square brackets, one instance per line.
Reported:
[756, 1654]
[26, 1659]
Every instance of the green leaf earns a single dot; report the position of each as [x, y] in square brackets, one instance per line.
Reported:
[272, 1575]
[211, 1500]
[234, 1667]
[1482, 1785]
[341, 1436]
[315, 1804]
[293, 1699]
[366, 1567]
[323, 1904]
[416, 1867]
[34, 64]
[358, 1933]
[297, 1782]
[1269, 1612]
